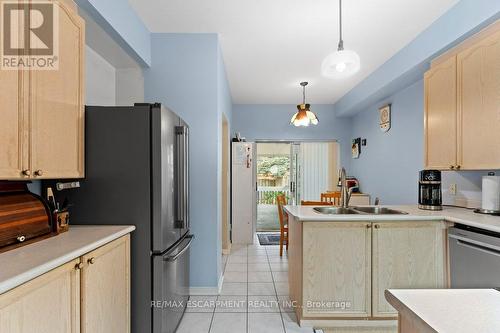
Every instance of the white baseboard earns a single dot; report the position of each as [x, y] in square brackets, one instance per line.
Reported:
[361, 323]
[203, 291]
[207, 291]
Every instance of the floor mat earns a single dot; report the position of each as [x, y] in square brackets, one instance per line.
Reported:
[269, 238]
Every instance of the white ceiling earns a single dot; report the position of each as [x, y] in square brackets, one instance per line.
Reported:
[269, 46]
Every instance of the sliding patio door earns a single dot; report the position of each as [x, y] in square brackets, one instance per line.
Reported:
[298, 170]
[318, 165]
[273, 178]
[295, 173]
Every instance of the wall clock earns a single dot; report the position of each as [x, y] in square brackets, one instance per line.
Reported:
[385, 118]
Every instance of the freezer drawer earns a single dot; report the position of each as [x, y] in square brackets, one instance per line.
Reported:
[474, 259]
[170, 287]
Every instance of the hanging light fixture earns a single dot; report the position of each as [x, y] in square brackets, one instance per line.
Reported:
[342, 63]
[304, 117]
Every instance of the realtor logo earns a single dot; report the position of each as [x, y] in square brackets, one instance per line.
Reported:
[29, 35]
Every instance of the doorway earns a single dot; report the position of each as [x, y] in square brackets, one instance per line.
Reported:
[273, 178]
[299, 170]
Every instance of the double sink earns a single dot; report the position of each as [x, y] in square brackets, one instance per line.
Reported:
[370, 210]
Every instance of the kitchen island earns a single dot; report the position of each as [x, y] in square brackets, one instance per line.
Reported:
[341, 265]
[446, 310]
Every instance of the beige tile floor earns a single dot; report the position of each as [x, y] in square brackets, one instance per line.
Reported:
[253, 299]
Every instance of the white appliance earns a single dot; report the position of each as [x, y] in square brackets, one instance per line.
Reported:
[243, 192]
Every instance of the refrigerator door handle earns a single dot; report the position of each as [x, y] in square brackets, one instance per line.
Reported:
[180, 175]
[186, 223]
[174, 257]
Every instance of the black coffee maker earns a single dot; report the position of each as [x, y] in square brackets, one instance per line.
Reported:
[429, 194]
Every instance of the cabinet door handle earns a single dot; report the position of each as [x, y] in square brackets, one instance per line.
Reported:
[377, 226]
[38, 173]
[452, 167]
[368, 226]
[26, 173]
[458, 167]
[79, 266]
[91, 261]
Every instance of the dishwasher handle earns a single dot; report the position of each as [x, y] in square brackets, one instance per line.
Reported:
[477, 246]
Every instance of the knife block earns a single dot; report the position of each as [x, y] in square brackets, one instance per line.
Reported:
[61, 221]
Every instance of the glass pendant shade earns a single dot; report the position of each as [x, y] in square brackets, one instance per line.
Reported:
[340, 64]
[304, 117]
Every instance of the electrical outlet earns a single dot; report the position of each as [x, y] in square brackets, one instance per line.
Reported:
[453, 189]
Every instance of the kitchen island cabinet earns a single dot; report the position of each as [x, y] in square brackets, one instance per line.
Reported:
[406, 254]
[340, 268]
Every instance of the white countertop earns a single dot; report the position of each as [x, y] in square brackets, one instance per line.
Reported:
[27, 262]
[450, 214]
[451, 310]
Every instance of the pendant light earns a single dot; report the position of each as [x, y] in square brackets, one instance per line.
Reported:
[304, 117]
[342, 63]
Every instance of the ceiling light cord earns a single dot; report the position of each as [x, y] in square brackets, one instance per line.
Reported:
[303, 94]
[341, 42]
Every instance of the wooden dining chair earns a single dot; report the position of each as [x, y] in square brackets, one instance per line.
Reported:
[315, 203]
[332, 197]
[283, 216]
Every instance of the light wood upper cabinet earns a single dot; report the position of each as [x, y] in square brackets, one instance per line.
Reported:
[47, 304]
[479, 104]
[406, 255]
[106, 288]
[337, 269]
[441, 115]
[56, 105]
[462, 105]
[42, 130]
[12, 125]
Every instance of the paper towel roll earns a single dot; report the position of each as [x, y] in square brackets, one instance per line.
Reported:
[491, 192]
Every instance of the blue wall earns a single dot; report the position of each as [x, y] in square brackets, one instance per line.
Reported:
[272, 122]
[388, 166]
[123, 24]
[409, 64]
[184, 75]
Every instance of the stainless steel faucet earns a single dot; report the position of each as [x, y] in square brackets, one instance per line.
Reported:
[345, 193]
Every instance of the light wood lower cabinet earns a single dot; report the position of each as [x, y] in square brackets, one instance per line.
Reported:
[88, 295]
[47, 304]
[337, 269]
[406, 255]
[340, 270]
[105, 291]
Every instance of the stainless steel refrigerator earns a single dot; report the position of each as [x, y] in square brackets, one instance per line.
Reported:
[137, 172]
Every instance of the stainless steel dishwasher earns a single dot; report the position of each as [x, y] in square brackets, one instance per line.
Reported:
[474, 257]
